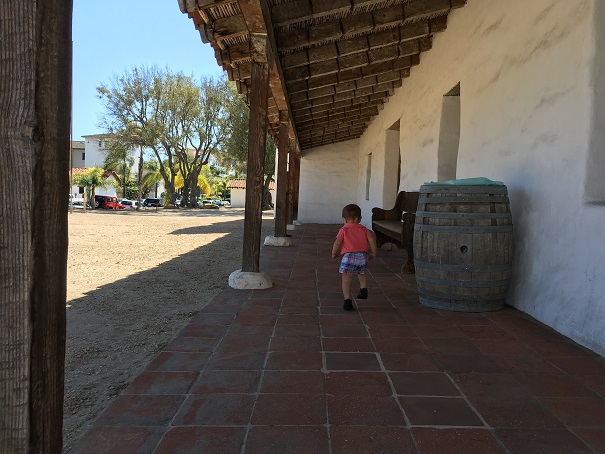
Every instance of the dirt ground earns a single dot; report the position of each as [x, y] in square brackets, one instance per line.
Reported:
[133, 281]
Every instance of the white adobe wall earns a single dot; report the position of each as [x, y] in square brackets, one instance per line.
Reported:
[238, 198]
[328, 181]
[528, 118]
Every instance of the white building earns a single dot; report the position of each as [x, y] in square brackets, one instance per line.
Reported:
[91, 152]
[529, 111]
[238, 192]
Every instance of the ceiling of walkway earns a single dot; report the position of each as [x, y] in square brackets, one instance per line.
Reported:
[337, 61]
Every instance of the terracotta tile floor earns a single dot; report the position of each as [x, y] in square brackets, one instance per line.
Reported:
[286, 370]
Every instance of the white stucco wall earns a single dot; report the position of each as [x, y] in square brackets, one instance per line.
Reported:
[532, 115]
[328, 182]
[238, 198]
[528, 77]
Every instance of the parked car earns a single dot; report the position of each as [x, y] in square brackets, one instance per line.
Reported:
[108, 202]
[78, 204]
[130, 204]
[207, 204]
[152, 202]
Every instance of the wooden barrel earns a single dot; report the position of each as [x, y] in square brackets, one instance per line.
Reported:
[463, 246]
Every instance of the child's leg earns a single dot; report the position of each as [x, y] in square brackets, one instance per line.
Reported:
[346, 285]
[363, 281]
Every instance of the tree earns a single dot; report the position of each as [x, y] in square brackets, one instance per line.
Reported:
[119, 160]
[234, 155]
[181, 121]
[91, 179]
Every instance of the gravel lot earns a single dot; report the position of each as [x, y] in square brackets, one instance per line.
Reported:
[133, 280]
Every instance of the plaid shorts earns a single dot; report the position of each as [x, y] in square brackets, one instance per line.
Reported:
[353, 263]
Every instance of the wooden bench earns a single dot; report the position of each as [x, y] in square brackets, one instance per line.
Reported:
[397, 225]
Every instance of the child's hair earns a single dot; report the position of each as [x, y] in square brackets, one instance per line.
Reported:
[351, 211]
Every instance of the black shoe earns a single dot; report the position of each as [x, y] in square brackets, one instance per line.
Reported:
[348, 305]
[363, 294]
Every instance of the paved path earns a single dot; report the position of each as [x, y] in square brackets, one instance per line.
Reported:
[286, 370]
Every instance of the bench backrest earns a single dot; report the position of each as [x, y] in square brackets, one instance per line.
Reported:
[407, 201]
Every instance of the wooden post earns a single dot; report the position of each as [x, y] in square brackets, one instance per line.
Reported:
[296, 185]
[35, 95]
[291, 182]
[281, 208]
[259, 100]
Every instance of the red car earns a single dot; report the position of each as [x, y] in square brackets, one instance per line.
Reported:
[107, 202]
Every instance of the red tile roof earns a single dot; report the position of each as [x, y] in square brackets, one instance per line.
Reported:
[240, 183]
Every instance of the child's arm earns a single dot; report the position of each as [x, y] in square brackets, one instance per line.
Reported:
[336, 247]
[372, 243]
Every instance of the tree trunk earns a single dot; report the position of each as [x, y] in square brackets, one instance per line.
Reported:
[35, 93]
[140, 179]
[257, 135]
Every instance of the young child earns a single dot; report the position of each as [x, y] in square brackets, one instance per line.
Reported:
[352, 242]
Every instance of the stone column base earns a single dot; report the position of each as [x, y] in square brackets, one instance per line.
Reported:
[290, 227]
[278, 241]
[248, 280]
[297, 222]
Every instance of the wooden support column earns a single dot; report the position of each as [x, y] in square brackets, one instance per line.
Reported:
[259, 99]
[35, 95]
[296, 185]
[281, 208]
[291, 183]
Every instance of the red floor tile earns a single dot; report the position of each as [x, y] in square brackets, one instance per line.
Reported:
[149, 382]
[578, 411]
[344, 331]
[364, 411]
[532, 441]
[595, 438]
[287, 439]
[439, 411]
[455, 441]
[358, 383]
[352, 361]
[140, 411]
[554, 386]
[215, 410]
[186, 440]
[423, 384]
[293, 382]
[289, 410]
[126, 440]
[347, 344]
[371, 439]
[295, 344]
[294, 361]
[227, 381]
[409, 362]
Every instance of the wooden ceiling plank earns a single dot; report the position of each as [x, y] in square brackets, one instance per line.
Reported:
[320, 53]
[360, 23]
[291, 12]
[324, 32]
[297, 73]
[349, 75]
[322, 81]
[322, 101]
[323, 67]
[383, 54]
[353, 61]
[321, 7]
[388, 17]
[415, 30]
[352, 45]
[425, 8]
[229, 25]
[294, 59]
[319, 92]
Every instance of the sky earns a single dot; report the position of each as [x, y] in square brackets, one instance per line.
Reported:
[113, 36]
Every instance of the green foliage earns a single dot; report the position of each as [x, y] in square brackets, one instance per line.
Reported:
[183, 122]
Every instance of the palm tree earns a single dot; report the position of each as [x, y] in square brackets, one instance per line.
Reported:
[90, 179]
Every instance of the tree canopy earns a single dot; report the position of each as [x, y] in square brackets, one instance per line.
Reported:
[182, 121]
